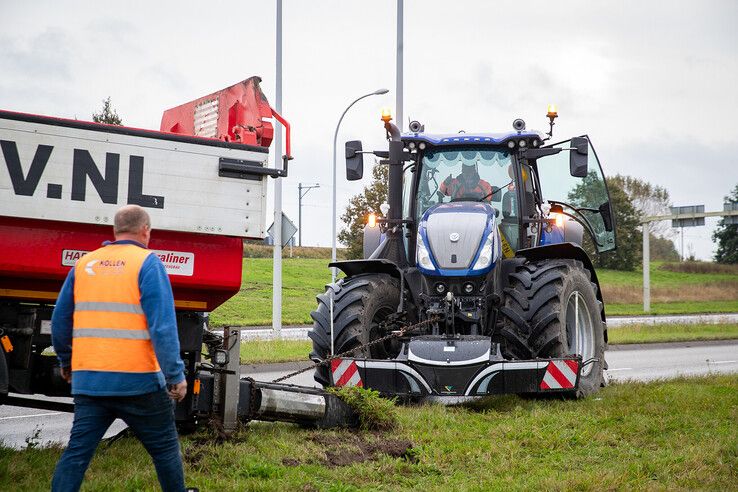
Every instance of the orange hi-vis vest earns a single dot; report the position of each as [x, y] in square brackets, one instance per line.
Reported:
[110, 332]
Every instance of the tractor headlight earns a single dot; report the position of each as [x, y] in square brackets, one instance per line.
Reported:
[485, 256]
[423, 256]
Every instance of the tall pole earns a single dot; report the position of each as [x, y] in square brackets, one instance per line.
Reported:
[277, 230]
[646, 269]
[335, 143]
[400, 47]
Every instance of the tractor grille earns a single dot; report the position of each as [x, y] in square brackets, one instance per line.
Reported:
[458, 254]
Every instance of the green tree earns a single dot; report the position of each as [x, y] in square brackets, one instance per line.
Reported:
[591, 192]
[647, 199]
[662, 249]
[359, 207]
[107, 114]
[726, 236]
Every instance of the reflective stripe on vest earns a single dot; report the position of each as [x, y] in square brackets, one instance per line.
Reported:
[110, 329]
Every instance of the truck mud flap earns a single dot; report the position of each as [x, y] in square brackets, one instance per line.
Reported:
[414, 380]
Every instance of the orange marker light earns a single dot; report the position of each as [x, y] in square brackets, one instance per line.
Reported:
[552, 111]
[196, 387]
[371, 221]
[386, 115]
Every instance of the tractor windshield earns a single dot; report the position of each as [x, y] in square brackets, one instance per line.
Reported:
[464, 173]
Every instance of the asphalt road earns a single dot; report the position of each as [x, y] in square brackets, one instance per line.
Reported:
[626, 362]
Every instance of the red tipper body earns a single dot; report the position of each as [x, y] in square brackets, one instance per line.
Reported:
[61, 182]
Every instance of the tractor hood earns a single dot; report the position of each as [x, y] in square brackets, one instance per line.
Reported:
[458, 239]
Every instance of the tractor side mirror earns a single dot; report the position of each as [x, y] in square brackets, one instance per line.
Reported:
[578, 157]
[354, 160]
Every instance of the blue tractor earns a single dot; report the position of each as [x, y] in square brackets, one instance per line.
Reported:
[476, 280]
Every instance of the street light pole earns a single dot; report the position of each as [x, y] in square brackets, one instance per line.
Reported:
[300, 195]
[378, 92]
[277, 254]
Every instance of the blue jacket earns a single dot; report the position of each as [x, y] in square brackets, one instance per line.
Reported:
[157, 302]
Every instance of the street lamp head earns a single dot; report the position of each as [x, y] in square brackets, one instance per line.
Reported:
[379, 92]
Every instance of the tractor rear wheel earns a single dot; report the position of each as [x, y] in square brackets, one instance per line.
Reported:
[360, 305]
[551, 310]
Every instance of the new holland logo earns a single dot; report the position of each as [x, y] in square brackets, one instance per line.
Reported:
[454, 237]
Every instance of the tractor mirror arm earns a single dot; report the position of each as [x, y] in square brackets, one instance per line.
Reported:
[533, 154]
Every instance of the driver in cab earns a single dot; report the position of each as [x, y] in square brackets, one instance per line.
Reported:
[468, 185]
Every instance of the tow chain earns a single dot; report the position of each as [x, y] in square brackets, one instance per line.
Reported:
[392, 335]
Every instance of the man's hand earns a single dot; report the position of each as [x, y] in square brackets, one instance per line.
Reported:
[66, 374]
[178, 391]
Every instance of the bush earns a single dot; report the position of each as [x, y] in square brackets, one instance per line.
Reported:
[699, 267]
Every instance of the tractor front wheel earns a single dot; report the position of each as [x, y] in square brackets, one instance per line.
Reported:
[360, 305]
[551, 310]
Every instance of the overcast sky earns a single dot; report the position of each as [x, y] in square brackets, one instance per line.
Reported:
[654, 84]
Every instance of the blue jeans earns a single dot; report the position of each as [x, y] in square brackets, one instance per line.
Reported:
[150, 417]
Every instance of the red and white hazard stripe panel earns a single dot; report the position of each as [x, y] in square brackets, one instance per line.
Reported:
[560, 374]
[346, 373]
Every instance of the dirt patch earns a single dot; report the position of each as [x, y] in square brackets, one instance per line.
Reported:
[344, 449]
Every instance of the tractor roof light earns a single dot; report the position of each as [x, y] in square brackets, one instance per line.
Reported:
[386, 115]
[552, 115]
[371, 220]
[552, 112]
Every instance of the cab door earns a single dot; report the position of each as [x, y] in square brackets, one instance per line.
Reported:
[585, 198]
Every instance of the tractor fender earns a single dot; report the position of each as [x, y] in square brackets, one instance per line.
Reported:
[568, 251]
[409, 279]
[353, 268]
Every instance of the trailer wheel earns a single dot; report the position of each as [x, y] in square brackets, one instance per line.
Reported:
[360, 304]
[551, 310]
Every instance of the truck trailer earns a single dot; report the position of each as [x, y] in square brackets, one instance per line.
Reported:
[203, 180]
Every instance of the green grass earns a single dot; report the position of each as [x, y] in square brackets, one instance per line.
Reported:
[268, 351]
[671, 333]
[676, 435]
[302, 280]
[688, 307]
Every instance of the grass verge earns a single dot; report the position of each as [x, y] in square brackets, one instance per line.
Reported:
[692, 307]
[679, 435]
[671, 333]
[268, 351]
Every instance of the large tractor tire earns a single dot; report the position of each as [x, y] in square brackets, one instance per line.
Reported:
[360, 304]
[551, 310]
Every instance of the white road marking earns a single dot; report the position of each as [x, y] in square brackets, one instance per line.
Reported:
[32, 415]
[723, 361]
[620, 369]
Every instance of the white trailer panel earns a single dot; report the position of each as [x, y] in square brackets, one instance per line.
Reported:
[82, 172]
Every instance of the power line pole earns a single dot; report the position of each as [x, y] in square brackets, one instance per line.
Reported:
[300, 195]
